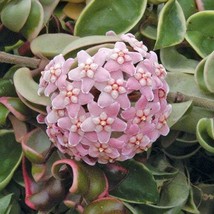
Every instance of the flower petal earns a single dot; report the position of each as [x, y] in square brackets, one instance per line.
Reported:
[104, 136]
[87, 84]
[124, 101]
[64, 123]
[74, 74]
[94, 109]
[88, 125]
[118, 125]
[82, 56]
[74, 139]
[105, 100]
[101, 75]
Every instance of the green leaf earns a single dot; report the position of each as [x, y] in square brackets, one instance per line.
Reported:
[186, 85]
[27, 87]
[106, 205]
[188, 7]
[50, 45]
[34, 22]
[171, 25]
[209, 72]
[200, 35]
[3, 114]
[178, 111]
[7, 88]
[189, 122]
[36, 145]
[174, 61]
[10, 156]
[205, 133]
[174, 195]
[199, 75]
[15, 14]
[133, 188]
[208, 4]
[86, 42]
[103, 16]
[5, 203]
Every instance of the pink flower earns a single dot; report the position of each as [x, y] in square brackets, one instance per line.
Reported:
[136, 141]
[54, 75]
[71, 98]
[89, 70]
[109, 107]
[137, 45]
[122, 59]
[73, 126]
[113, 91]
[103, 121]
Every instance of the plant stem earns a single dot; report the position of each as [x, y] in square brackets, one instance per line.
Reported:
[199, 5]
[176, 97]
[19, 60]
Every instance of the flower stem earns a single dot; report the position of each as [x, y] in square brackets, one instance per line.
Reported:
[176, 97]
[199, 5]
[19, 60]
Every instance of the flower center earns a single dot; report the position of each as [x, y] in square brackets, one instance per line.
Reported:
[144, 77]
[71, 94]
[137, 139]
[161, 121]
[76, 123]
[88, 68]
[54, 72]
[115, 88]
[120, 56]
[160, 71]
[103, 122]
[142, 116]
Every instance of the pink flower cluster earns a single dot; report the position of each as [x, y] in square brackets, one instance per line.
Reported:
[108, 108]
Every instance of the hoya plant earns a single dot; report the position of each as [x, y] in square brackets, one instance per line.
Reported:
[106, 106]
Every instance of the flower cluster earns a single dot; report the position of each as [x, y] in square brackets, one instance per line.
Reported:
[108, 108]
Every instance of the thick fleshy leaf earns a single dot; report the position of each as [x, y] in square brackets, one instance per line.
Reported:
[174, 61]
[16, 107]
[50, 45]
[98, 187]
[203, 195]
[80, 180]
[178, 111]
[181, 150]
[5, 202]
[34, 21]
[189, 122]
[42, 196]
[106, 205]
[15, 14]
[85, 42]
[171, 25]
[48, 7]
[198, 31]
[190, 205]
[174, 195]
[42, 172]
[103, 16]
[135, 189]
[7, 88]
[160, 167]
[27, 87]
[185, 84]
[149, 24]
[10, 156]
[199, 75]
[205, 133]
[3, 114]
[188, 7]
[209, 72]
[36, 146]
[73, 10]
[208, 4]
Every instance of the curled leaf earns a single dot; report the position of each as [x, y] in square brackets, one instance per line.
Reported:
[205, 133]
[36, 146]
[27, 87]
